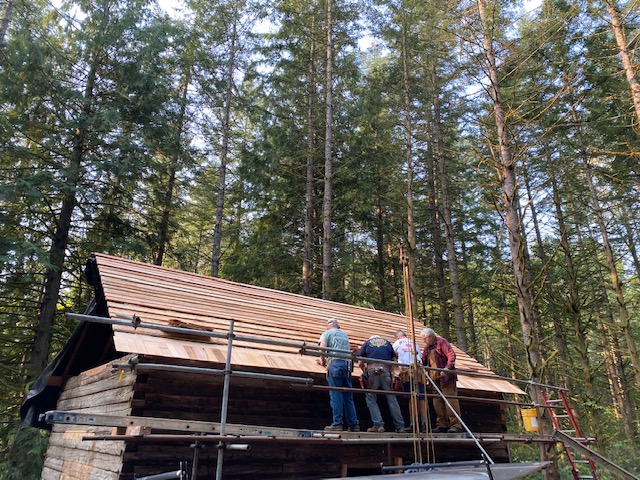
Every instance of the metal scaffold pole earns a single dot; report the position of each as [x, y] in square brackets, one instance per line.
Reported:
[225, 402]
[302, 347]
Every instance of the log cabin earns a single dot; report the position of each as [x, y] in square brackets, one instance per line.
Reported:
[155, 396]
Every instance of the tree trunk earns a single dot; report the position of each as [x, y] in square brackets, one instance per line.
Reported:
[216, 251]
[471, 322]
[408, 139]
[436, 236]
[573, 308]
[508, 180]
[163, 231]
[509, 336]
[625, 56]
[4, 23]
[631, 243]
[309, 207]
[449, 235]
[395, 272]
[558, 327]
[380, 255]
[53, 275]
[327, 203]
[613, 359]
[615, 285]
[510, 206]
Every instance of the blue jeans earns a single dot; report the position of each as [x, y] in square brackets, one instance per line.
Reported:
[338, 375]
[382, 381]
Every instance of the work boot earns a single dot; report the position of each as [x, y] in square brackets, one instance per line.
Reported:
[455, 430]
[354, 428]
[439, 430]
[408, 429]
[375, 429]
[333, 428]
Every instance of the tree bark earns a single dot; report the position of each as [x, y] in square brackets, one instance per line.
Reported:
[625, 56]
[510, 206]
[408, 139]
[163, 230]
[573, 309]
[507, 175]
[216, 250]
[327, 203]
[53, 275]
[615, 285]
[449, 235]
[613, 359]
[380, 254]
[6, 19]
[309, 207]
[471, 322]
[631, 243]
[436, 236]
[558, 327]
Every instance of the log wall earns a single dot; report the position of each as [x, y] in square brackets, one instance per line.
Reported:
[275, 404]
[69, 457]
[161, 394]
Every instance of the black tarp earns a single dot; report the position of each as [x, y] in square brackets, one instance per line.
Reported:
[42, 397]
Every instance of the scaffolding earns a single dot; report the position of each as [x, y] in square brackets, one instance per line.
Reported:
[240, 437]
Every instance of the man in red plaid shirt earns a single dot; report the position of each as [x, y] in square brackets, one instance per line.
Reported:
[438, 353]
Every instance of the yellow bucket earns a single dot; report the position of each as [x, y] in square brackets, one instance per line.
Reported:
[530, 418]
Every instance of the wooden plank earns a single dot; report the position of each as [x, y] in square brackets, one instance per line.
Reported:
[114, 382]
[68, 469]
[115, 409]
[298, 307]
[162, 295]
[94, 375]
[96, 400]
[70, 437]
[84, 460]
[299, 313]
[205, 283]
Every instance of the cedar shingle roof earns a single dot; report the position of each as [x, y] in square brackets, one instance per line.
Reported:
[171, 297]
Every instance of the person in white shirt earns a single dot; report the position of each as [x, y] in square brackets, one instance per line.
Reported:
[406, 351]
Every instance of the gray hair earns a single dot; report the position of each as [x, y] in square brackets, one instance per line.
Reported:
[402, 333]
[428, 332]
[334, 322]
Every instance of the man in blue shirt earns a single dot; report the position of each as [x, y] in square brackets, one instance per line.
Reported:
[339, 375]
[379, 375]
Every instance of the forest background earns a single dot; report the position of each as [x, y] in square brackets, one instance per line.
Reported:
[297, 144]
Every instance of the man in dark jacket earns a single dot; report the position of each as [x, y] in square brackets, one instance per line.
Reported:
[438, 353]
[379, 375]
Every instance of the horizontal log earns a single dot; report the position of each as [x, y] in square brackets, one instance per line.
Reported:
[85, 460]
[97, 374]
[65, 436]
[57, 469]
[98, 399]
[90, 388]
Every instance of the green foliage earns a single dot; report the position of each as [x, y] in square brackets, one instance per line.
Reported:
[27, 454]
[147, 178]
